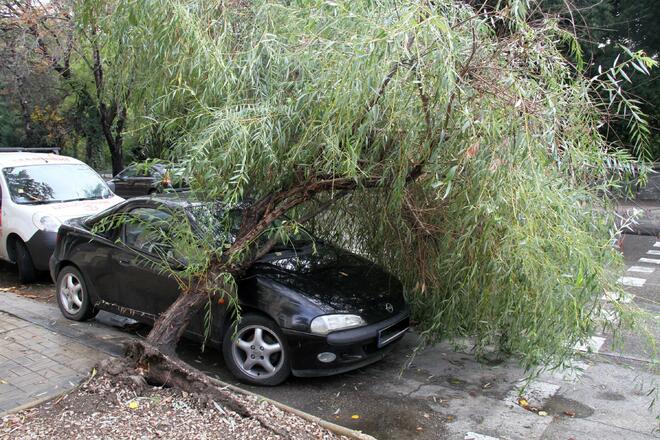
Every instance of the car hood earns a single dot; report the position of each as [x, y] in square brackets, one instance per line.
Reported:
[335, 280]
[79, 208]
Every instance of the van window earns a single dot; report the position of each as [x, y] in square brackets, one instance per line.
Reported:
[57, 183]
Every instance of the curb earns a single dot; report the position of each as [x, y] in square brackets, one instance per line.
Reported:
[332, 427]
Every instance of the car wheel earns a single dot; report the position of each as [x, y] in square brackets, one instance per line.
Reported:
[26, 270]
[72, 295]
[256, 353]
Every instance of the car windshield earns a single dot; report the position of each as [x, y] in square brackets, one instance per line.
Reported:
[38, 184]
[211, 218]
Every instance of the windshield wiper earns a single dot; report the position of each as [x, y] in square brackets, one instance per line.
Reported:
[79, 199]
[40, 202]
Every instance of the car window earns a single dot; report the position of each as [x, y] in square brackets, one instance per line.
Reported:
[141, 171]
[128, 172]
[54, 183]
[146, 230]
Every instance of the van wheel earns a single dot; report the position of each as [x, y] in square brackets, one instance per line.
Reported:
[72, 295]
[26, 270]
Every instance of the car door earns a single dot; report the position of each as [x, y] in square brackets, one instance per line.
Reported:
[143, 182]
[124, 182]
[144, 285]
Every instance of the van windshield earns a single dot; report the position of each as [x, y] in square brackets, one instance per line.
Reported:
[38, 184]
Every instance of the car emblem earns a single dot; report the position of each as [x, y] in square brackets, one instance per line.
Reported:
[389, 307]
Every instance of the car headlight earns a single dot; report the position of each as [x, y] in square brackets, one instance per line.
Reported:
[46, 222]
[322, 325]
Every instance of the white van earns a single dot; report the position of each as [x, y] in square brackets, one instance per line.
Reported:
[37, 193]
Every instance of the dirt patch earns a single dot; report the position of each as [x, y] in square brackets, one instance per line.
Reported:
[561, 406]
[43, 290]
[106, 408]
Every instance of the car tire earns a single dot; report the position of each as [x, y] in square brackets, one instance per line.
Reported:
[269, 349]
[27, 273]
[72, 295]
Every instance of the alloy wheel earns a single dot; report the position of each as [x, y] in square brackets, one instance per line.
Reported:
[71, 293]
[257, 352]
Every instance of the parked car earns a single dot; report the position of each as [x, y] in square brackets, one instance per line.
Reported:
[308, 308]
[37, 193]
[139, 180]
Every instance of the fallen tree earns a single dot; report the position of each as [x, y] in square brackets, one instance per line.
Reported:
[457, 146]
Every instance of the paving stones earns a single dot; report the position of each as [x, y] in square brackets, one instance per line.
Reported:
[36, 363]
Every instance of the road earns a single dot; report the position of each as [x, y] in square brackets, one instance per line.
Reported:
[439, 393]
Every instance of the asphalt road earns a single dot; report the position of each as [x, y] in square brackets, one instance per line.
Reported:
[439, 393]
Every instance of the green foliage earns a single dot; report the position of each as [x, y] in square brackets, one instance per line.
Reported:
[602, 28]
[10, 125]
[476, 152]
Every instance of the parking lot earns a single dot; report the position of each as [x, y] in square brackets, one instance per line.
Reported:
[437, 392]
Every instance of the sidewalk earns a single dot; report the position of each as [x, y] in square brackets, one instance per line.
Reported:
[42, 355]
[36, 364]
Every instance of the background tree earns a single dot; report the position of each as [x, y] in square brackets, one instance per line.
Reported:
[48, 56]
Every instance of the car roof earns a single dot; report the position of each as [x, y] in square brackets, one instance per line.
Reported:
[180, 199]
[16, 159]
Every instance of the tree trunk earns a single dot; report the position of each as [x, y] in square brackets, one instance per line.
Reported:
[171, 325]
[27, 122]
[117, 159]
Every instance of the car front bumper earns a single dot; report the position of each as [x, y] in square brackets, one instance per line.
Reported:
[52, 264]
[354, 348]
[41, 247]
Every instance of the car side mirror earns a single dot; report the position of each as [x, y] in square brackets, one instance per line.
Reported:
[111, 185]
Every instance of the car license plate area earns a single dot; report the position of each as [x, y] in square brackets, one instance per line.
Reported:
[391, 333]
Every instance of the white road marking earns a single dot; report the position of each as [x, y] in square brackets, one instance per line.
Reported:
[652, 252]
[476, 436]
[649, 260]
[631, 281]
[657, 244]
[592, 345]
[621, 297]
[641, 269]
[610, 316]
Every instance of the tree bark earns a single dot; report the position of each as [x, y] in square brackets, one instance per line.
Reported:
[171, 325]
[107, 116]
[117, 157]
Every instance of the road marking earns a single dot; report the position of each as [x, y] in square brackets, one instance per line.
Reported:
[652, 252]
[592, 345]
[649, 260]
[631, 281]
[657, 244]
[641, 269]
[476, 436]
[621, 297]
[610, 316]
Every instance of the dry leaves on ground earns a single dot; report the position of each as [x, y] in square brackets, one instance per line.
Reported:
[103, 408]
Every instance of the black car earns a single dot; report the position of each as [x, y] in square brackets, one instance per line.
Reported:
[140, 180]
[308, 308]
